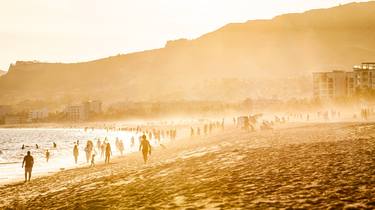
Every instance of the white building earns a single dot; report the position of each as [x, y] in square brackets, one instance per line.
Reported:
[38, 114]
[335, 84]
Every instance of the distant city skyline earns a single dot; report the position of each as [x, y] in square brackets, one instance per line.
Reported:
[75, 31]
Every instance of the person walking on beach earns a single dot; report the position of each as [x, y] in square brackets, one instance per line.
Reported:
[145, 147]
[108, 153]
[121, 147]
[102, 150]
[28, 162]
[75, 153]
[88, 154]
[98, 144]
[132, 142]
[88, 149]
[47, 155]
[92, 160]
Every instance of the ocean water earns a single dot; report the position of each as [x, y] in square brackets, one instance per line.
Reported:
[11, 152]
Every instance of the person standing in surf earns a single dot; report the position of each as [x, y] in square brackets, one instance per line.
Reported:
[145, 147]
[108, 153]
[28, 162]
[47, 155]
[75, 153]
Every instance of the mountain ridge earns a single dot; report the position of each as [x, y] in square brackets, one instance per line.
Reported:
[286, 45]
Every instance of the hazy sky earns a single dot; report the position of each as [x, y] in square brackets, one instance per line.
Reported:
[79, 30]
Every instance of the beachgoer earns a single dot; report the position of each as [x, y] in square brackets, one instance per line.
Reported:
[102, 150]
[145, 147]
[98, 144]
[47, 155]
[75, 153]
[88, 149]
[108, 153]
[37, 146]
[117, 144]
[54, 145]
[93, 160]
[121, 147]
[23, 146]
[132, 142]
[191, 132]
[28, 162]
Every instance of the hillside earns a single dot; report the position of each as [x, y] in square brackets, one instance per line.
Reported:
[2, 72]
[259, 52]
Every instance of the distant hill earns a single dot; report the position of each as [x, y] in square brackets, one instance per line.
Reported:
[259, 52]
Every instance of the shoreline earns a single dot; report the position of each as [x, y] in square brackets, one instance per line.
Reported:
[186, 139]
[232, 169]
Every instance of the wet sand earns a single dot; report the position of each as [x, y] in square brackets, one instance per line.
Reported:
[308, 166]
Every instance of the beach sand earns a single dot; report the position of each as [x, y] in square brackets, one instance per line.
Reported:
[309, 166]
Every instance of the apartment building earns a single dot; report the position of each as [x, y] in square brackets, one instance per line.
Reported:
[335, 84]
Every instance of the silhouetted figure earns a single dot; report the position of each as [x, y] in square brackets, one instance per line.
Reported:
[108, 153]
[75, 153]
[98, 144]
[47, 155]
[145, 146]
[93, 160]
[37, 146]
[28, 162]
[88, 149]
[132, 142]
[55, 145]
[121, 147]
[102, 150]
[23, 146]
[174, 133]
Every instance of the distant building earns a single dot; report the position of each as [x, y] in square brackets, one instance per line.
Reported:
[365, 75]
[5, 110]
[335, 84]
[76, 112]
[38, 114]
[82, 111]
[13, 119]
[94, 106]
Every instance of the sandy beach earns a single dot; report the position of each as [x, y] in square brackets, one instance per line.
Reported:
[308, 166]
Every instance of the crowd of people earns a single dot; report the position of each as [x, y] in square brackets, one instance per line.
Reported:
[143, 137]
[103, 146]
[207, 128]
